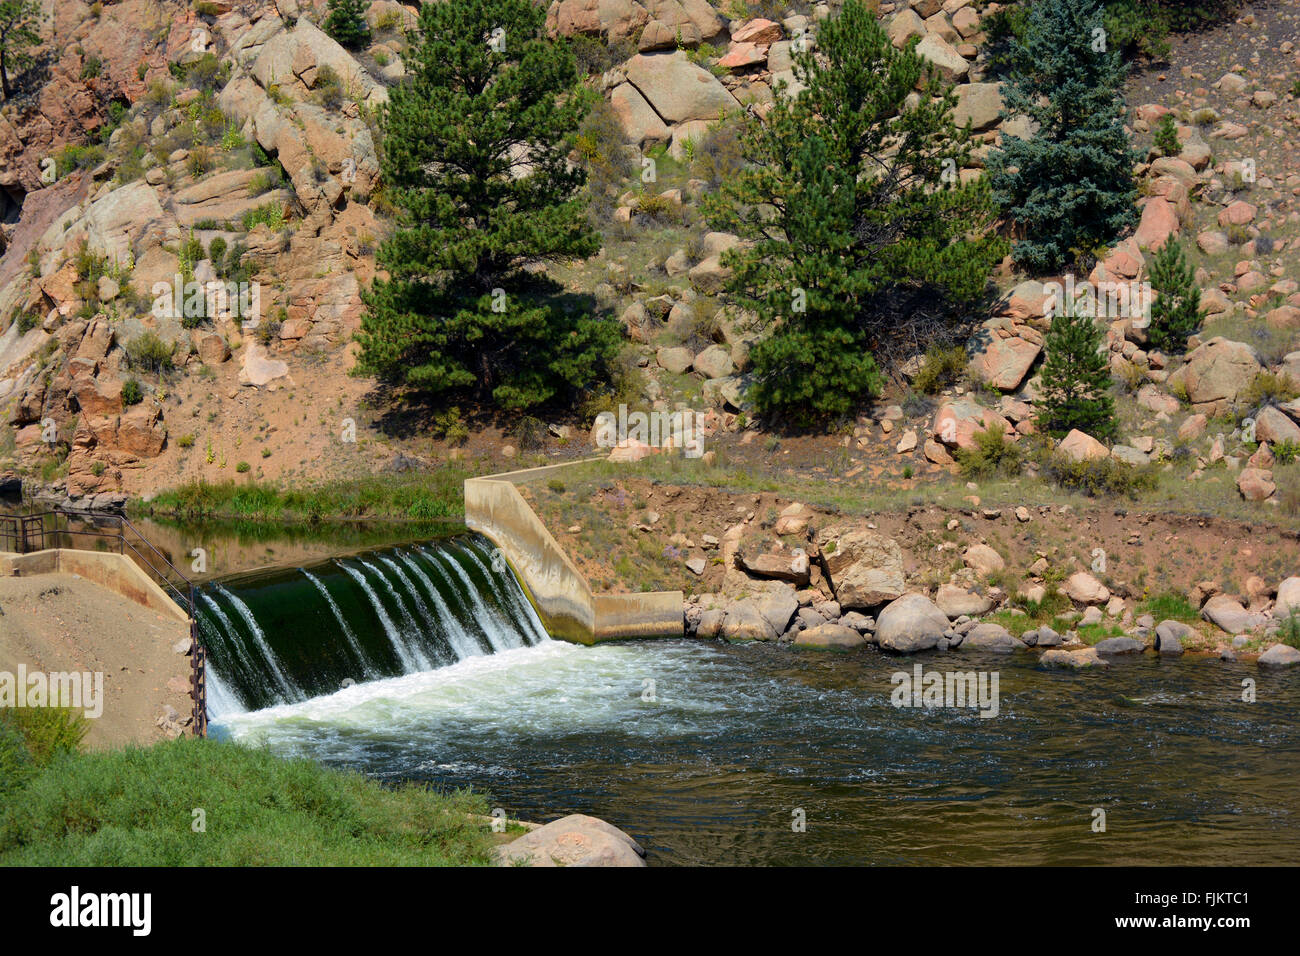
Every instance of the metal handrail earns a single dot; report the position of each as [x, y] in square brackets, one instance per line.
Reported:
[185, 592]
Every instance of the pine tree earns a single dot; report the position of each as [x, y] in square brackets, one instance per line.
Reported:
[1176, 312]
[346, 22]
[1070, 187]
[475, 153]
[1076, 377]
[18, 35]
[861, 237]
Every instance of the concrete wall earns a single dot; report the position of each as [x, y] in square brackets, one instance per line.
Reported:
[114, 572]
[563, 598]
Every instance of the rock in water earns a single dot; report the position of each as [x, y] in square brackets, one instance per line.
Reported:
[575, 840]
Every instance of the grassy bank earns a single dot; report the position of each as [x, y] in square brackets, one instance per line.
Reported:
[423, 496]
[136, 807]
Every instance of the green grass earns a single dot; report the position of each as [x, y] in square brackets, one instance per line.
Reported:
[437, 494]
[135, 807]
[1171, 606]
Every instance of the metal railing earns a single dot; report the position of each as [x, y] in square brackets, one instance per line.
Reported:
[22, 534]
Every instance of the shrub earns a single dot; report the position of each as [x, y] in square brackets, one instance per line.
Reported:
[199, 161]
[942, 367]
[27, 321]
[1100, 477]
[186, 440]
[451, 426]
[132, 393]
[147, 351]
[1268, 388]
[1166, 138]
[328, 87]
[1286, 451]
[994, 454]
[217, 250]
[1176, 312]
[346, 22]
[271, 214]
[243, 467]
[1076, 377]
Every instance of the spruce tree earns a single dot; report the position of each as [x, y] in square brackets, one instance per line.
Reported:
[475, 154]
[18, 35]
[1176, 312]
[346, 22]
[1071, 186]
[862, 238]
[1075, 377]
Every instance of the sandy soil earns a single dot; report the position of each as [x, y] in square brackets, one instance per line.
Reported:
[60, 622]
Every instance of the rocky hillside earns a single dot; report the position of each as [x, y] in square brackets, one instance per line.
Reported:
[170, 145]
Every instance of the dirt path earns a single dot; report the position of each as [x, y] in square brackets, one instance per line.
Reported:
[60, 622]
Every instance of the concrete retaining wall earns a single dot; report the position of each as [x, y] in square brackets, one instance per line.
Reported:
[563, 598]
[114, 572]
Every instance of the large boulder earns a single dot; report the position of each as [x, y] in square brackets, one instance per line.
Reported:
[1078, 446]
[677, 88]
[641, 124]
[956, 601]
[829, 635]
[1002, 363]
[940, 53]
[1216, 374]
[1120, 645]
[1170, 636]
[909, 624]
[745, 622]
[575, 840]
[979, 103]
[1288, 597]
[865, 568]
[1273, 426]
[1088, 657]
[956, 422]
[1227, 613]
[1280, 655]
[616, 19]
[992, 637]
[1082, 588]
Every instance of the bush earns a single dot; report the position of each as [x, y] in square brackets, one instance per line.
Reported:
[31, 738]
[132, 393]
[243, 467]
[942, 367]
[451, 426]
[217, 251]
[1100, 477]
[1268, 388]
[147, 351]
[994, 454]
[1166, 138]
[1076, 377]
[270, 214]
[1286, 451]
[328, 87]
[1176, 312]
[186, 440]
[346, 22]
[199, 161]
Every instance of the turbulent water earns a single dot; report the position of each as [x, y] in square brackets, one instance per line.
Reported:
[292, 635]
[708, 753]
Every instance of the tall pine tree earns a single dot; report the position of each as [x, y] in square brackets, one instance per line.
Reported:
[346, 22]
[475, 153]
[1076, 377]
[18, 35]
[1176, 312]
[861, 236]
[1071, 186]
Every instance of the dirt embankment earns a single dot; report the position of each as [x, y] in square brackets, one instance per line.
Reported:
[60, 622]
[628, 534]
